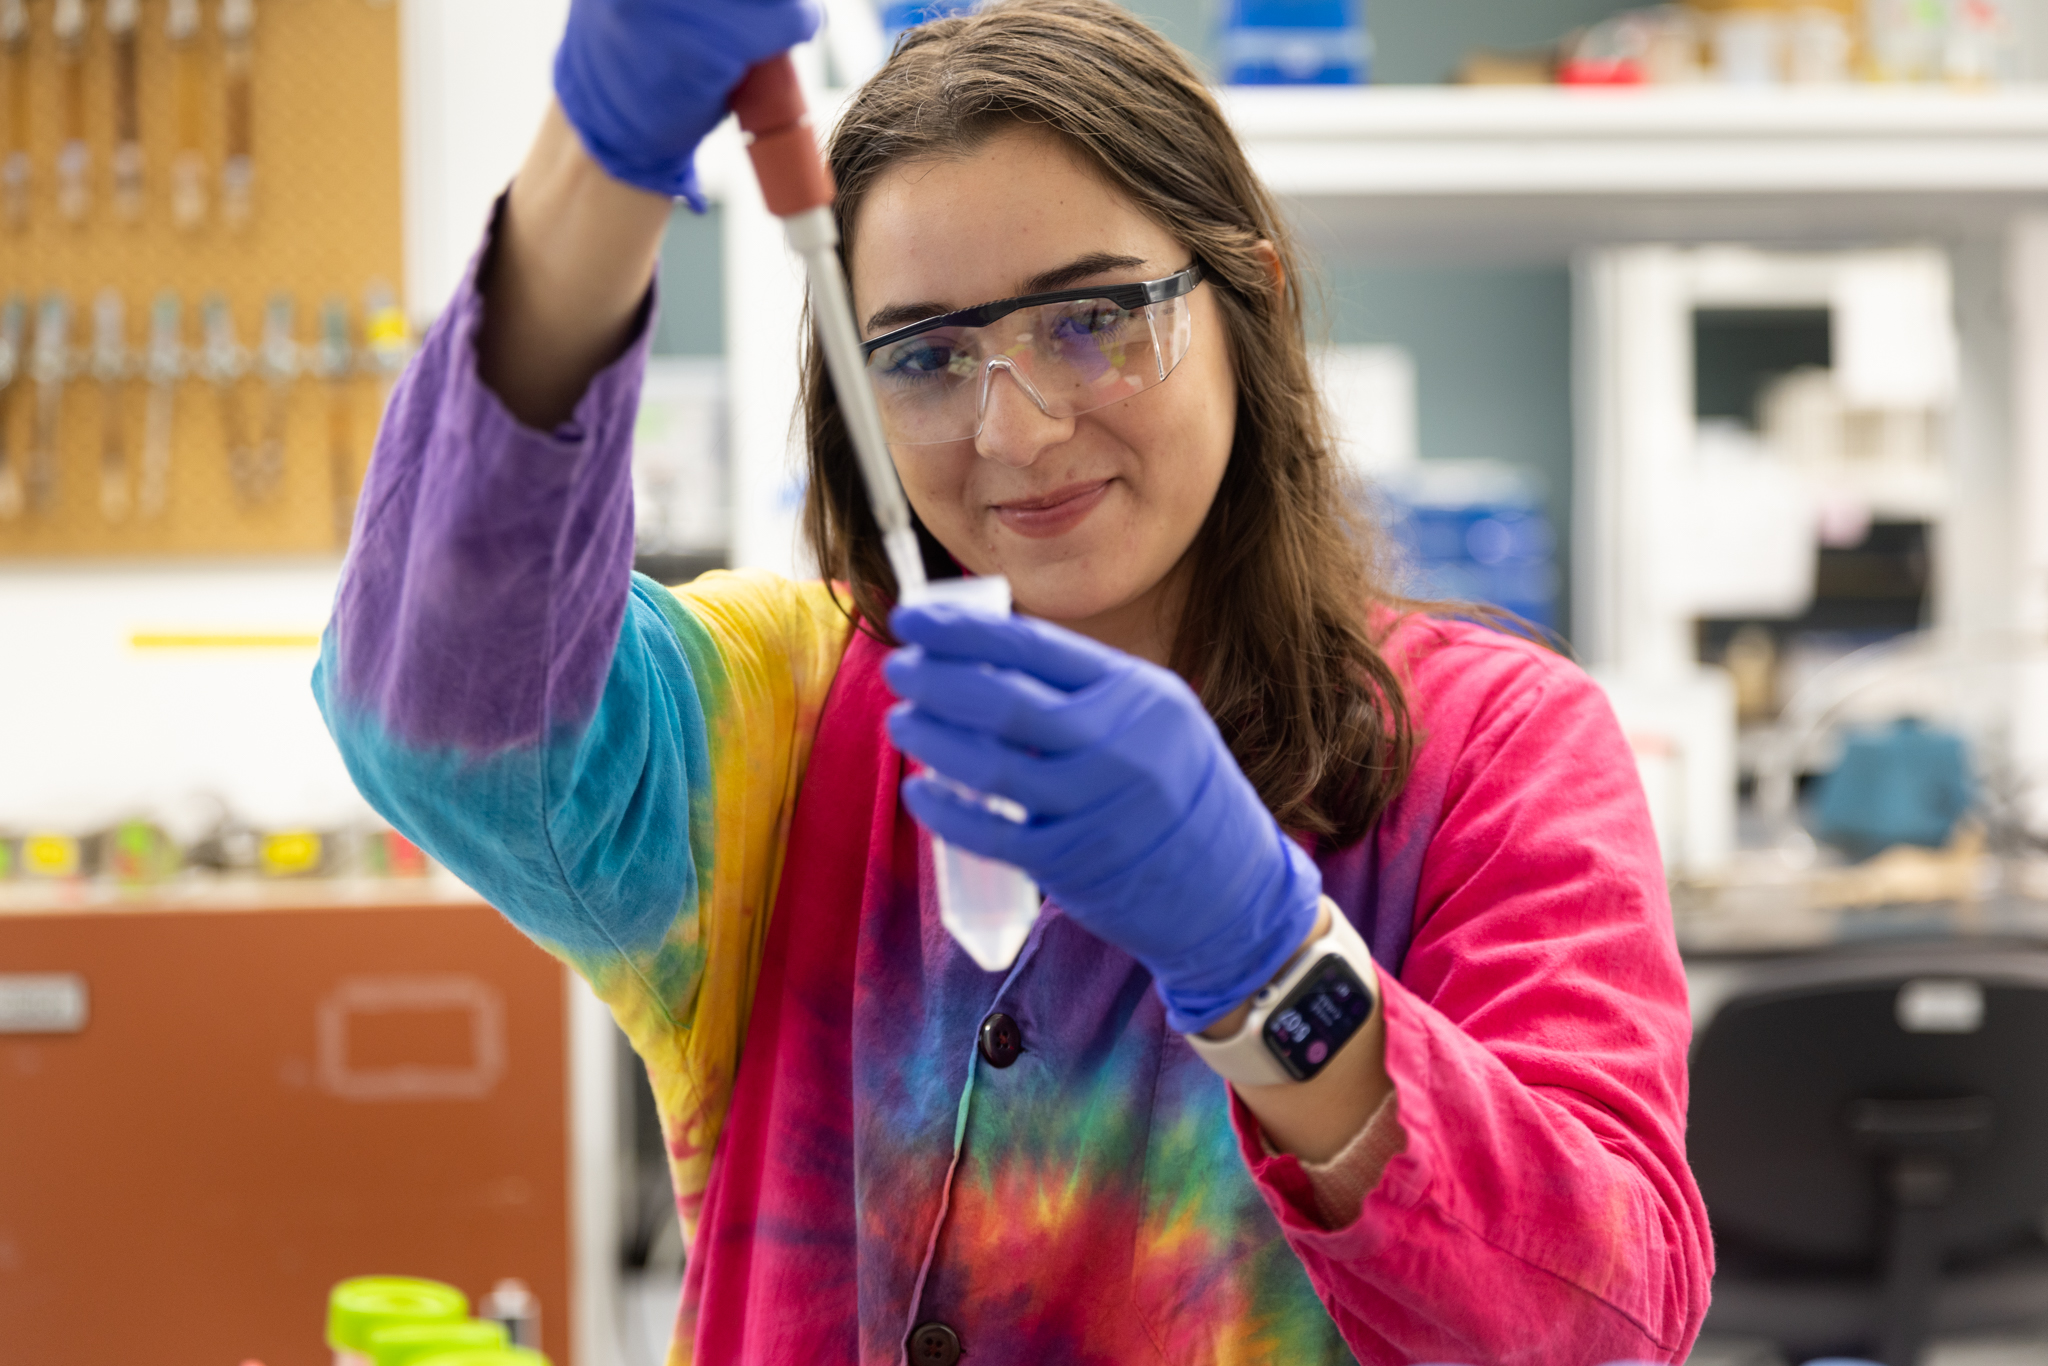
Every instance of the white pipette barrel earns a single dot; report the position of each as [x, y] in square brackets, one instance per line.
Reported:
[989, 907]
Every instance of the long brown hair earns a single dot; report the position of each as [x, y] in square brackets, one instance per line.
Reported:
[1284, 575]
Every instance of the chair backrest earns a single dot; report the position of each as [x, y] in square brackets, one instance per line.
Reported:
[1817, 1071]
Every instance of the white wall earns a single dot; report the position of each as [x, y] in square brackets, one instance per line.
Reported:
[98, 729]
[477, 76]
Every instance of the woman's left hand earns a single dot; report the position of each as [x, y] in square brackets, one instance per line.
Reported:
[1142, 827]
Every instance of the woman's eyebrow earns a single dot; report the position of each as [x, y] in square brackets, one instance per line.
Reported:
[1045, 282]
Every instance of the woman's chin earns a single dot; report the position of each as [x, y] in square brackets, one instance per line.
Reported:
[1071, 592]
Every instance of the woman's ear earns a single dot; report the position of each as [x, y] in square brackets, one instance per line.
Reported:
[1271, 256]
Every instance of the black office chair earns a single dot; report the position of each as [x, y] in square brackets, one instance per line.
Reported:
[1870, 1131]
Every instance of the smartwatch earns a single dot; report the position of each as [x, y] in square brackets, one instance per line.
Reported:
[1302, 1017]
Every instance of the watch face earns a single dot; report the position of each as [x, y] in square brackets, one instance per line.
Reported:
[1318, 1017]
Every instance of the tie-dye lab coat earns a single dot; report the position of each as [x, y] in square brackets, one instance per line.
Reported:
[687, 795]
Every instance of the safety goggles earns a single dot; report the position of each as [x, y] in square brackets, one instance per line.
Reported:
[1070, 351]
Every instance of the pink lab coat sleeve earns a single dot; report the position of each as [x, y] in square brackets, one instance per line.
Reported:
[1540, 1209]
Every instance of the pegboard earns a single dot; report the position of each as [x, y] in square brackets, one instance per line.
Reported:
[325, 222]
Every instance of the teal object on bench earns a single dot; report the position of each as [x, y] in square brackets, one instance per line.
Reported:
[1908, 783]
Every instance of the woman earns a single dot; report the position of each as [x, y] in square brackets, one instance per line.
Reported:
[698, 796]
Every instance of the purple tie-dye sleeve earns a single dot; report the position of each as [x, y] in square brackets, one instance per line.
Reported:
[484, 590]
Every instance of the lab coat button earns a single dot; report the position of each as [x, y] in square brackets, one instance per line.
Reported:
[1001, 1040]
[934, 1344]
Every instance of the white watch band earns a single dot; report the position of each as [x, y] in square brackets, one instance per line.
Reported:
[1244, 1057]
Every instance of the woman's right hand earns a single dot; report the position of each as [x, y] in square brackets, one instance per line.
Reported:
[639, 83]
[643, 81]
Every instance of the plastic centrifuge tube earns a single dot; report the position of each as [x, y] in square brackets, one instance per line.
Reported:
[988, 907]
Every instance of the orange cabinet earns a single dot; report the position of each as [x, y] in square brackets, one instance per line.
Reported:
[208, 1116]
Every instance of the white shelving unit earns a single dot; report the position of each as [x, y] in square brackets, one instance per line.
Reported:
[1448, 172]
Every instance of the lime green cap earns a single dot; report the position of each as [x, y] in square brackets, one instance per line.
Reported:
[357, 1307]
[484, 1356]
[401, 1344]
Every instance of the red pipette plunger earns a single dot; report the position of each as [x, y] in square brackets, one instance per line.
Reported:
[798, 187]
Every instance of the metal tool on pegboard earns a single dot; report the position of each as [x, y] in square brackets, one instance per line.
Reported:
[110, 368]
[223, 361]
[188, 160]
[333, 360]
[163, 365]
[74, 154]
[124, 22]
[238, 168]
[13, 325]
[278, 365]
[49, 365]
[14, 159]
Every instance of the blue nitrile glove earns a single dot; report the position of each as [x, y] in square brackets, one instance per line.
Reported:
[643, 81]
[1143, 828]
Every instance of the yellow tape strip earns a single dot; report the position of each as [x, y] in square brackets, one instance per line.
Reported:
[249, 640]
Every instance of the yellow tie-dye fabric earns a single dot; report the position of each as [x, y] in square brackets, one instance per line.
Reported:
[762, 652]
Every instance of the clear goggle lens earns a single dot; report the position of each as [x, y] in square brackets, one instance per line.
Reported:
[1068, 358]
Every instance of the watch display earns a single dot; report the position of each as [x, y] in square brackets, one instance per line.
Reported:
[1318, 1017]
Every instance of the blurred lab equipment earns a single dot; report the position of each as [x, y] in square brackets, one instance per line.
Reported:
[362, 1305]
[1296, 42]
[513, 1306]
[679, 465]
[1655, 46]
[1751, 44]
[1908, 783]
[1865, 1127]
[1763, 469]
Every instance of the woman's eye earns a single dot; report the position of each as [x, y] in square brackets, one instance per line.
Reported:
[1090, 321]
[914, 360]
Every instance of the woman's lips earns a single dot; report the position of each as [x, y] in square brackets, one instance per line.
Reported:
[1055, 513]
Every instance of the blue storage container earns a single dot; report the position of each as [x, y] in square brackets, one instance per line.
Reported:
[1475, 531]
[897, 17]
[1295, 42]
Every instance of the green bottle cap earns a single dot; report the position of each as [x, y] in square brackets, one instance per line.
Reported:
[485, 1356]
[402, 1344]
[357, 1307]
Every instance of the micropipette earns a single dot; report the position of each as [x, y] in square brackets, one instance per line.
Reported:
[798, 187]
[988, 906]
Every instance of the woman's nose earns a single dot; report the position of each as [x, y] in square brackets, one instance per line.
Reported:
[1014, 429]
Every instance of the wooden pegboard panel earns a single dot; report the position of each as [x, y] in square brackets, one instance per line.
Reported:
[326, 222]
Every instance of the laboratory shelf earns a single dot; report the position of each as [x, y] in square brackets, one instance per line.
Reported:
[1452, 171]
